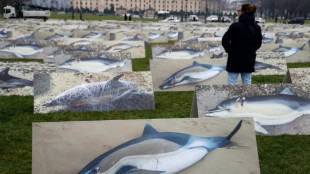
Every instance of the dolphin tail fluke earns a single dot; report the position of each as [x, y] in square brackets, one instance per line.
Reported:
[5, 72]
[258, 127]
[234, 131]
[302, 46]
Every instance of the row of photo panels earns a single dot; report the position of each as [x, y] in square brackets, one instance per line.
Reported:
[121, 97]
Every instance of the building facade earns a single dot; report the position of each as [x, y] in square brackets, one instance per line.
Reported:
[194, 6]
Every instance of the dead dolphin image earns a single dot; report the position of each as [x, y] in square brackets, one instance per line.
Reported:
[214, 48]
[91, 65]
[93, 35]
[120, 47]
[94, 93]
[157, 152]
[11, 81]
[26, 37]
[81, 43]
[265, 110]
[192, 74]
[56, 36]
[267, 39]
[132, 38]
[195, 38]
[288, 51]
[22, 50]
[261, 66]
[153, 36]
[172, 34]
[181, 54]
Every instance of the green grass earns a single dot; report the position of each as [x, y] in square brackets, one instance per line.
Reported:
[260, 79]
[298, 65]
[95, 17]
[21, 60]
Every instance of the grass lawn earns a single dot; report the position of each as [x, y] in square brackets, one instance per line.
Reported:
[285, 154]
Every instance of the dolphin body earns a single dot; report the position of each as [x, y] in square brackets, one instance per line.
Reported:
[120, 47]
[94, 93]
[93, 35]
[132, 38]
[267, 39]
[172, 34]
[192, 74]
[195, 38]
[91, 65]
[56, 36]
[26, 37]
[265, 110]
[180, 54]
[22, 50]
[156, 152]
[288, 51]
[262, 66]
[153, 36]
[11, 81]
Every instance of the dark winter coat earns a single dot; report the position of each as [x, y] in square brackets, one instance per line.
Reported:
[241, 41]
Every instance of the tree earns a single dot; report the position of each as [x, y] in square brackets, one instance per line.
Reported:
[112, 8]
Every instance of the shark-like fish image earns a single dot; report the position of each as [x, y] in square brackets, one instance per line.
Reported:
[288, 51]
[92, 65]
[120, 47]
[153, 36]
[8, 81]
[267, 39]
[56, 36]
[94, 93]
[93, 35]
[261, 66]
[156, 152]
[265, 110]
[22, 50]
[192, 74]
[180, 54]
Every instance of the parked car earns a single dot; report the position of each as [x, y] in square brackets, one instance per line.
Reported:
[212, 18]
[297, 20]
[193, 18]
[226, 19]
[259, 20]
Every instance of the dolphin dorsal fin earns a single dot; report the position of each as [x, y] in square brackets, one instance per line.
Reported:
[116, 78]
[195, 63]
[5, 72]
[149, 130]
[287, 91]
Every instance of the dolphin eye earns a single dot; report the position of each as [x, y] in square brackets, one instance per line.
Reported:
[96, 170]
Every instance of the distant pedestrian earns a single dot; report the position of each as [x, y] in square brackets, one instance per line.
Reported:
[125, 17]
[276, 19]
[130, 17]
[241, 41]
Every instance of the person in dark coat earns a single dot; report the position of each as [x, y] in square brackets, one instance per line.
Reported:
[125, 17]
[241, 41]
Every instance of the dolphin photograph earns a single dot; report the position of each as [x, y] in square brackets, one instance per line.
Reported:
[157, 152]
[192, 74]
[8, 81]
[288, 51]
[271, 111]
[21, 51]
[89, 92]
[180, 54]
[146, 146]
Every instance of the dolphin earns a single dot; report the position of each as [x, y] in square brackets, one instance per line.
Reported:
[81, 43]
[26, 37]
[56, 36]
[153, 36]
[261, 66]
[120, 47]
[94, 93]
[11, 81]
[267, 39]
[219, 54]
[192, 74]
[195, 38]
[265, 110]
[172, 34]
[288, 51]
[214, 48]
[132, 38]
[91, 65]
[217, 35]
[180, 54]
[3, 34]
[22, 50]
[156, 152]
[93, 35]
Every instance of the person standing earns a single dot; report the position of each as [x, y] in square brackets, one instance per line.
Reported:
[241, 41]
